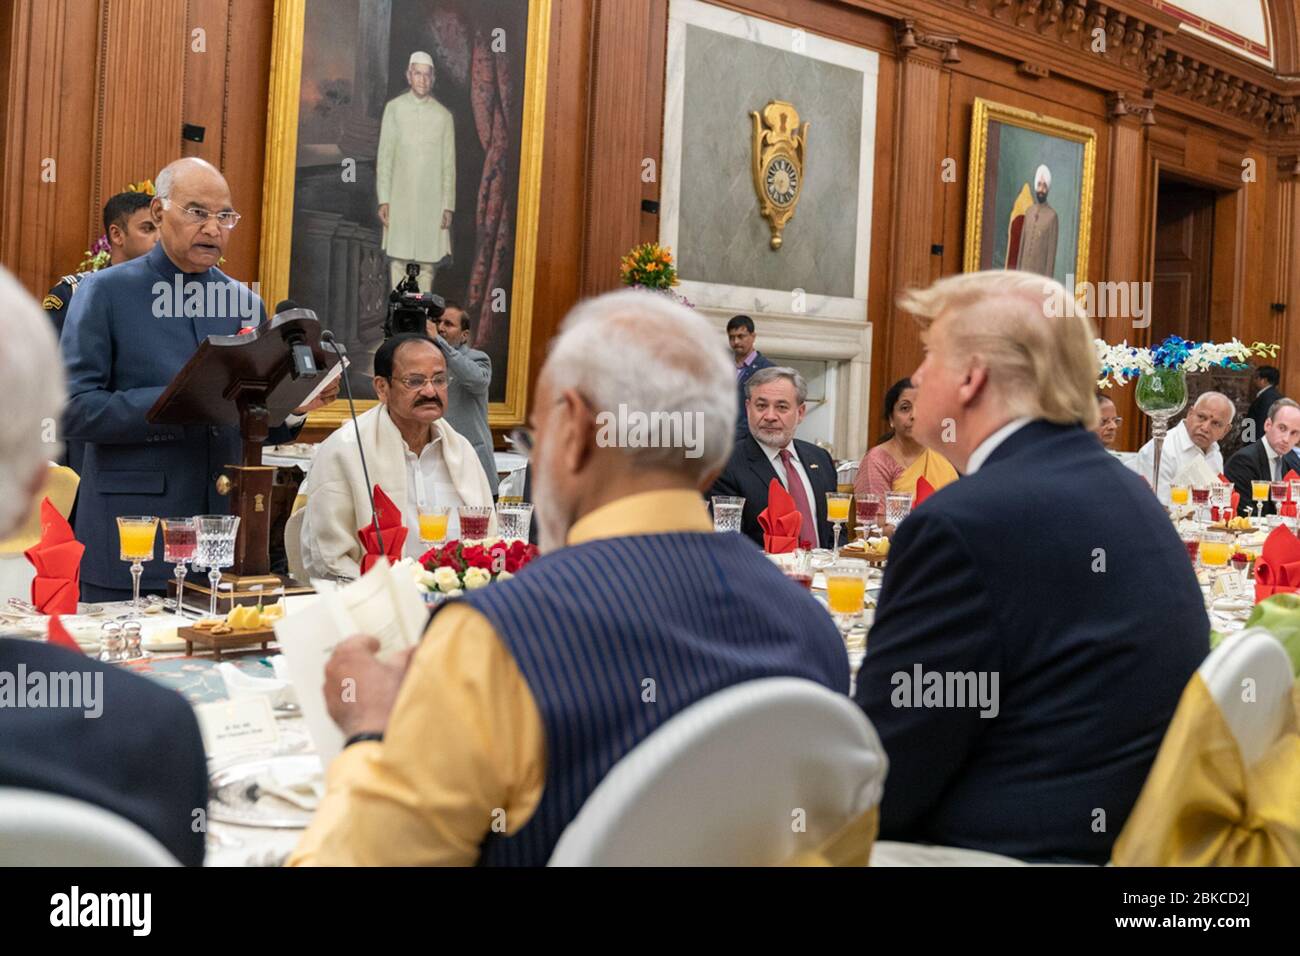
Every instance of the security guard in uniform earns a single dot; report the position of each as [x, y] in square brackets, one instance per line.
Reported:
[131, 232]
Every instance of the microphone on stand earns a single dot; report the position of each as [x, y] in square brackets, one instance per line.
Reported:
[328, 341]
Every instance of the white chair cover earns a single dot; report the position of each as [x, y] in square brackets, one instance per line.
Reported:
[47, 829]
[750, 776]
[1249, 676]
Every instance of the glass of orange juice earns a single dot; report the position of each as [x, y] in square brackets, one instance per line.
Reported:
[1216, 548]
[1259, 494]
[1178, 495]
[846, 592]
[136, 534]
[837, 512]
[433, 524]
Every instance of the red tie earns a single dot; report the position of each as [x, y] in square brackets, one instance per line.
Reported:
[794, 485]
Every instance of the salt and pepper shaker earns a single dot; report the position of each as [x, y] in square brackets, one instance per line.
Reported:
[113, 642]
[131, 634]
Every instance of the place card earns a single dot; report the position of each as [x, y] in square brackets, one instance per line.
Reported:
[234, 726]
[1229, 584]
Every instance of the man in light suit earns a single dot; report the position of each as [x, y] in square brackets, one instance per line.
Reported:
[1269, 458]
[129, 331]
[469, 374]
[102, 734]
[1038, 619]
[775, 405]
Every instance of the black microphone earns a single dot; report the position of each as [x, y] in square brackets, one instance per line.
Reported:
[328, 341]
[304, 363]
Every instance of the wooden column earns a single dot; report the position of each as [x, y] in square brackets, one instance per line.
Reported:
[916, 186]
[92, 101]
[1130, 213]
[1288, 274]
[627, 90]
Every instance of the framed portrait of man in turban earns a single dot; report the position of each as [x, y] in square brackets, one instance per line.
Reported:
[1029, 199]
[405, 134]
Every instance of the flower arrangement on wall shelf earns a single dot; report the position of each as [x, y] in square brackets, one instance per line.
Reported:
[650, 266]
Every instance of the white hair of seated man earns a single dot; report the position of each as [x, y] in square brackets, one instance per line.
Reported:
[642, 351]
[32, 372]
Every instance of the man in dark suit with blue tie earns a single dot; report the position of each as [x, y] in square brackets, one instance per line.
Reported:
[775, 405]
[1269, 458]
[129, 331]
[1039, 618]
[96, 733]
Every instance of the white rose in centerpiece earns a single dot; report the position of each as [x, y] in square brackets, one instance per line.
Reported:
[504, 576]
[476, 578]
[446, 580]
[488, 542]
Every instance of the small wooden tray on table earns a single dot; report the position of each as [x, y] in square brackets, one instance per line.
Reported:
[235, 640]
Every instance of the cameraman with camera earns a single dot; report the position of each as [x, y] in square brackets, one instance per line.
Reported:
[469, 373]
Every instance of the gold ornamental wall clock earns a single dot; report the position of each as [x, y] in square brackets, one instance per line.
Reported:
[779, 145]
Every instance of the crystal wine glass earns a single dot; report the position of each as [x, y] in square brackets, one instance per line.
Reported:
[1277, 492]
[727, 511]
[514, 519]
[433, 524]
[180, 538]
[1201, 498]
[846, 591]
[136, 536]
[869, 507]
[1259, 494]
[837, 512]
[473, 521]
[215, 549]
[898, 505]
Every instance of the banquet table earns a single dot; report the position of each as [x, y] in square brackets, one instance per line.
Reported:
[196, 678]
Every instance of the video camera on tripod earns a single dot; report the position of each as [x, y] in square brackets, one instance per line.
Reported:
[409, 308]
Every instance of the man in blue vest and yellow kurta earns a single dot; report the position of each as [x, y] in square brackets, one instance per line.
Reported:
[522, 696]
[129, 331]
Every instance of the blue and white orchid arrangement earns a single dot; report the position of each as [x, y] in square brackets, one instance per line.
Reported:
[1119, 363]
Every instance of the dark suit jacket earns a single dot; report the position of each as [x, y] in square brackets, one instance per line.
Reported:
[127, 335]
[760, 361]
[1259, 408]
[1055, 568]
[748, 473]
[1250, 463]
[141, 758]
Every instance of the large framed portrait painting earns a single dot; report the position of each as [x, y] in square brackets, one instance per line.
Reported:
[404, 135]
[1029, 204]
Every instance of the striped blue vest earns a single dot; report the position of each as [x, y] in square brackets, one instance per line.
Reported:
[616, 636]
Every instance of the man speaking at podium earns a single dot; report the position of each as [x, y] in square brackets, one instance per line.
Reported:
[129, 331]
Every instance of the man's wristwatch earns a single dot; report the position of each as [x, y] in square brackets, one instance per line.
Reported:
[360, 738]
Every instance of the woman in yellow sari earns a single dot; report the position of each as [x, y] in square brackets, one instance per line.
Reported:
[899, 460]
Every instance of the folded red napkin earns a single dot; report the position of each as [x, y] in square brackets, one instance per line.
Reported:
[780, 520]
[1278, 569]
[394, 534]
[57, 560]
[58, 634]
[923, 490]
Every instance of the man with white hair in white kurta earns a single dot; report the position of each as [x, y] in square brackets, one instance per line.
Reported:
[415, 175]
[1038, 236]
[418, 460]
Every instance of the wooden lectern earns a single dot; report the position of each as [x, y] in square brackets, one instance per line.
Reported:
[247, 380]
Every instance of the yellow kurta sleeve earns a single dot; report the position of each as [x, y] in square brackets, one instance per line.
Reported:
[464, 754]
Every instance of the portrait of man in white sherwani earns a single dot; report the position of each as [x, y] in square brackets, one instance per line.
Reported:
[415, 174]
